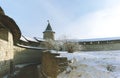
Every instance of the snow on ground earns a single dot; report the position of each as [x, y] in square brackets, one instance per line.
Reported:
[96, 64]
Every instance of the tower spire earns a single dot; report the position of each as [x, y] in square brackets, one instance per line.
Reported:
[49, 28]
[48, 33]
[48, 21]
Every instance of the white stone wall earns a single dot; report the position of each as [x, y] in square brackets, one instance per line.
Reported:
[99, 47]
[6, 50]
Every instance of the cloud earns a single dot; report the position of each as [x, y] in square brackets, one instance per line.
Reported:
[101, 23]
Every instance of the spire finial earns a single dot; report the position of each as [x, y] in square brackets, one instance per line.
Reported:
[48, 21]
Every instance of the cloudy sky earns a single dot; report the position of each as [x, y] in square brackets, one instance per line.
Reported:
[77, 19]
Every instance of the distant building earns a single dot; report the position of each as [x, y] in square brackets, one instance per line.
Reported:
[49, 33]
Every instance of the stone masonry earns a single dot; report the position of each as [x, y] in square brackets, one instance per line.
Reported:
[52, 65]
[6, 50]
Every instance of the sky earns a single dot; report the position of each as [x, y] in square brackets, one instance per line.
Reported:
[76, 19]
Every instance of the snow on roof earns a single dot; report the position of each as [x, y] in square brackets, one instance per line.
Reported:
[23, 39]
[33, 39]
[95, 39]
[39, 39]
[27, 39]
[30, 47]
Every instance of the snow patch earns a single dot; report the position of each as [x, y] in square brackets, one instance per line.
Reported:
[97, 64]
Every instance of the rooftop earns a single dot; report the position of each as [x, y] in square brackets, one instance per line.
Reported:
[49, 28]
[10, 24]
[94, 39]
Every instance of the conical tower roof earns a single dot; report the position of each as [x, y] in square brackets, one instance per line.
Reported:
[49, 28]
[1, 11]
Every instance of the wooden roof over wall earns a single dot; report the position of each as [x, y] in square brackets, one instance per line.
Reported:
[11, 25]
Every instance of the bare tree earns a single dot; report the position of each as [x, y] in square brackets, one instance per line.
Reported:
[69, 45]
[51, 44]
[64, 45]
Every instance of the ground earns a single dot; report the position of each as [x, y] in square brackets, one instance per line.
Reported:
[92, 64]
[29, 71]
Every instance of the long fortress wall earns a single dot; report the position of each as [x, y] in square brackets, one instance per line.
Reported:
[99, 47]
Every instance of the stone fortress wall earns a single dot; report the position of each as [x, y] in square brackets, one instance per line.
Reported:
[6, 50]
[23, 55]
[9, 34]
[52, 64]
[112, 45]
